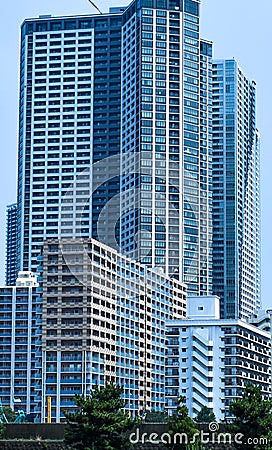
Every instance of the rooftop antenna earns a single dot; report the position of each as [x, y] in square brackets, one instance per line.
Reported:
[96, 7]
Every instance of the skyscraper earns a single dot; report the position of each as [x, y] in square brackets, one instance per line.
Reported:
[69, 119]
[165, 189]
[134, 83]
[11, 245]
[236, 196]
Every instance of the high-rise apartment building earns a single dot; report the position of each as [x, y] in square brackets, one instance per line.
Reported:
[11, 245]
[135, 83]
[165, 189]
[103, 320]
[69, 119]
[236, 196]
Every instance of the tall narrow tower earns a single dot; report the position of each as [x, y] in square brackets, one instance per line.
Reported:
[166, 143]
[69, 120]
[236, 196]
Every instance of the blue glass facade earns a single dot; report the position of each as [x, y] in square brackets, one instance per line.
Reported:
[166, 106]
[236, 197]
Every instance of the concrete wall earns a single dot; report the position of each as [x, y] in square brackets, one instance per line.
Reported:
[54, 431]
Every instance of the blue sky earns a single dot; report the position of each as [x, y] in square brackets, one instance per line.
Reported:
[239, 28]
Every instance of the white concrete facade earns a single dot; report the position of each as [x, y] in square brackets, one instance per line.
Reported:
[211, 360]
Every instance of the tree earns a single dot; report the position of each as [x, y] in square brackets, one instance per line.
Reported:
[252, 418]
[7, 412]
[10, 414]
[99, 423]
[205, 415]
[182, 429]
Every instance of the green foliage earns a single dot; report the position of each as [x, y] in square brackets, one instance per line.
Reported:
[183, 424]
[253, 418]
[205, 415]
[8, 413]
[156, 417]
[99, 423]
[2, 430]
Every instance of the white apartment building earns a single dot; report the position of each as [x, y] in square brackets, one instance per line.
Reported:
[210, 360]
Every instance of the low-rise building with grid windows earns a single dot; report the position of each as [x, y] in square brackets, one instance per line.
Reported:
[20, 320]
[210, 360]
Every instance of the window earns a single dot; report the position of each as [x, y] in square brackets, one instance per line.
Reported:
[55, 26]
[85, 24]
[191, 7]
[161, 4]
[41, 26]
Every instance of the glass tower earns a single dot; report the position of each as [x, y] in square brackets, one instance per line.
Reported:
[166, 141]
[236, 196]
